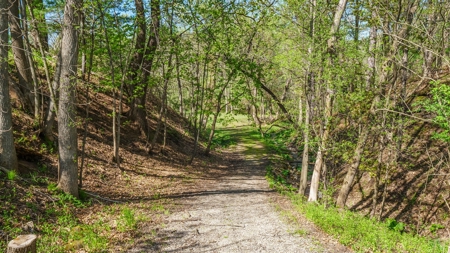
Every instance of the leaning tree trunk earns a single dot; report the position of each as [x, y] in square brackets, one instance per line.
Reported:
[49, 121]
[8, 158]
[215, 116]
[67, 126]
[20, 59]
[351, 173]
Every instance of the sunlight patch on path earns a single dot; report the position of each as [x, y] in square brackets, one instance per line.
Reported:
[232, 213]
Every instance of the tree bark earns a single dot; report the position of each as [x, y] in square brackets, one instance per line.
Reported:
[143, 59]
[313, 193]
[308, 95]
[49, 121]
[20, 58]
[180, 88]
[8, 157]
[67, 125]
[305, 157]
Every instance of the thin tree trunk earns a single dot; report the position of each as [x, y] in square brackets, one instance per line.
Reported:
[305, 157]
[215, 116]
[180, 88]
[86, 118]
[43, 55]
[49, 121]
[116, 145]
[313, 193]
[352, 171]
[308, 97]
[199, 107]
[370, 76]
[41, 42]
[163, 109]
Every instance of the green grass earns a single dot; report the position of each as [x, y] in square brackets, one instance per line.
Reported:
[360, 233]
[56, 224]
[223, 139]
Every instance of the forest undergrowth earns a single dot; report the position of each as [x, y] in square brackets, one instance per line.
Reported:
[115, 204]
[352, 228]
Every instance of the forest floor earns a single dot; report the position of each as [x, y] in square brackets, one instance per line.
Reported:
[154, 202]
[232, 209]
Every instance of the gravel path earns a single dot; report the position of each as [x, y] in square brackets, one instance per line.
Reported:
[233, 213]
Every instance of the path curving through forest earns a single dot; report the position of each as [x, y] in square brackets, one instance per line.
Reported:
[232, 212]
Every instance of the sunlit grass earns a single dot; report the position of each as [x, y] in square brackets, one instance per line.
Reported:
[360, 233]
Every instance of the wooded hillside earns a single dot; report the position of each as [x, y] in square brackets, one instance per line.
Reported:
[358, 90]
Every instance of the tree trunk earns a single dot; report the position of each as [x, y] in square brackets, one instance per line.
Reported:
[180, 88]
[328, 104]
[215, 116]
[352, 171]
[308, 97]
[313, 193]
[115, 126]
[163, 109]
[42, 49]
[138, 106]
[136, 113]
[305, 157]
[67, 126]
[8, 158]
[284, 95]
[49, 121]
[23, 244]
[20, 58]
[370, 76]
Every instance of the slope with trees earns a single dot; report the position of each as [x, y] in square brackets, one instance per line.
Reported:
[359, 88]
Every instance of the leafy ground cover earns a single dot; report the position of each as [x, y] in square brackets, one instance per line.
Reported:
[116, 204]
[358, 232]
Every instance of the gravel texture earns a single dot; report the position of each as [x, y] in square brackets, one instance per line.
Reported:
[234, 212]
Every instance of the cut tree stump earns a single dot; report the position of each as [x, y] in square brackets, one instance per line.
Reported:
[23, 244]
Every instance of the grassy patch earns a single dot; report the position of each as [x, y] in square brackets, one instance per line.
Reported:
[223, 139]
[276, 139]
[360, 233]
[67, 224]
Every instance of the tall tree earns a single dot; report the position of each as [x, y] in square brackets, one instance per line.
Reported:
[331, 50]
[20, 58]
[141, 64]
[67, 125]
[8, 156]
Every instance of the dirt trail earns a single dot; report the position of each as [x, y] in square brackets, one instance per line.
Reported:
[231, 213]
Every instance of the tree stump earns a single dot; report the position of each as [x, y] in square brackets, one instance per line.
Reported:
[23, 244]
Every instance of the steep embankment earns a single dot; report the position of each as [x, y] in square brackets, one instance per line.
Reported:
[115, 203]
